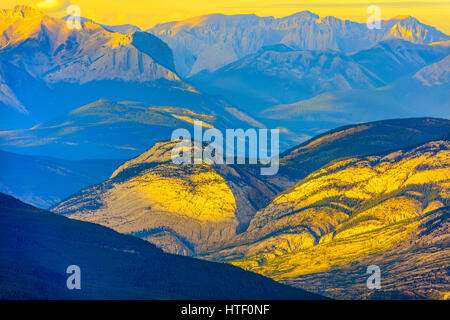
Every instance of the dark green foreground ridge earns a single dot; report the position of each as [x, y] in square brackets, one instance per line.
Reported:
[37, 247]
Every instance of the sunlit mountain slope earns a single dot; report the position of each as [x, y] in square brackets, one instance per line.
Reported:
[49, 50]
[349, 210]
[181, 208]
[416, 268]
[52, 69]
[36, 248]
[193, 209]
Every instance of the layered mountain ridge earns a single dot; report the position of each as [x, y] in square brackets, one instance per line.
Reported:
[297, 75]
[352, 210]
[197, 41]
[119, 130]
[363, 193]
[148, 196]
[416, 268]
[48, 70]
[353, 201]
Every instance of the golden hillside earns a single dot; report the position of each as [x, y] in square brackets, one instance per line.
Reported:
[347, 210]
[183, 209]
[416, 268]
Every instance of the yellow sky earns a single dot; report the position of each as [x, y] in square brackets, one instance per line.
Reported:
[145, 13]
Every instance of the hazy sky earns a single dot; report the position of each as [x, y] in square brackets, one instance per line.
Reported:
[145, 13]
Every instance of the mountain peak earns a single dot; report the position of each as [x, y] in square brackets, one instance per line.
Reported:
[214, 41]
[279, 47]
[402, 17]
[410, 29]
[137, 56]
[20, 11]
[303, 14]
[124, 28]
[161, 152]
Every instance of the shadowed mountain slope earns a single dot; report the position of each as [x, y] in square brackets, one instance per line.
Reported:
[44, 181]
[109, 129]
[36, 248]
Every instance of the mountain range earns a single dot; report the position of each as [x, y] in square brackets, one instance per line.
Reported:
[312, 91]
[413, 269]
[349, 200]
[354, 210]
[85, 121]
[48, 70]
[213, 41]
[348, 74]
[293, 75]
[217, 203]
[109, 129]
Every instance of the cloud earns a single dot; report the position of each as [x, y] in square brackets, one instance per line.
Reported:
[53, 5]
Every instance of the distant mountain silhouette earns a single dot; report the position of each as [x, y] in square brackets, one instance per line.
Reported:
[212, 41]
[44, 181]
